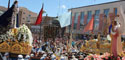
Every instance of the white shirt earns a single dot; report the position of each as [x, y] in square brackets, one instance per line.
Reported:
[4, 58]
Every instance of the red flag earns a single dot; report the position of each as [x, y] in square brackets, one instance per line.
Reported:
[39, 18]
[89, 26]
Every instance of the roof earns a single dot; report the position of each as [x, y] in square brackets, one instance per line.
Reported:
[3, 8]
[95, 5]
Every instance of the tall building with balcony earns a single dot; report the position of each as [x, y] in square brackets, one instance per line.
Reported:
[82, 15]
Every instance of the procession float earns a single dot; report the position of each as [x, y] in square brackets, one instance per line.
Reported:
[14, 40]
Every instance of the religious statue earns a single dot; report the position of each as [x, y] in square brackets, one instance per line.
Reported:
[6, 19]
[116, 45]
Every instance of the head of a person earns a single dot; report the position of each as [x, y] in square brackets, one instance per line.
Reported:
[114, 23]
[6, 54]
[20, 57]
[16, 2]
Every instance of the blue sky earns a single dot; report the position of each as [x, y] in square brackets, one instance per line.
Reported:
[54, 7]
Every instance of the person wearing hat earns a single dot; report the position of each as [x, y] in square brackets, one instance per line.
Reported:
[43, 57]
[65, 57]
[74, 58]
[58, 51]
[20, 57]
[81, 57]
[53, 57]
[34, 49]
[6, 56]
[62, 57]
[27, 57]
[32, 55]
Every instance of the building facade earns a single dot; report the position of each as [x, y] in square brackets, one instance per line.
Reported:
[26, 16]
[101, 12]
[2, 10]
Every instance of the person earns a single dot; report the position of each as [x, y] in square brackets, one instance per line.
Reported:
[27, 57]
[6, 56]
[74, 58]
[20, 57]
[99, 40]
[53, 57]
[31, 55]
[43, 57]
[116, 46]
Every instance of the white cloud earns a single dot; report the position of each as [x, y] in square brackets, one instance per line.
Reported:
[63, 6]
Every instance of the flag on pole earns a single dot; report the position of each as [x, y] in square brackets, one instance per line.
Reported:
[8, 4]
[64, 19]
[39, 18]
[89, 26]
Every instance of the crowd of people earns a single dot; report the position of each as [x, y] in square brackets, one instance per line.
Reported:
[61, 48]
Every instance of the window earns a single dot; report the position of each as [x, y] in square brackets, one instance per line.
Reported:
[115, 11]
[28, 19]
[96, 20]
[76, 19]
[23, 12]
[89, 16]
[34, 30]
[29, 15]
[81, 19]
[106, 12]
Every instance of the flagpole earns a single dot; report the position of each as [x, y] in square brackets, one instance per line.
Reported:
[40, 30]
[8, 4]
[39, 18]
[70, 27]
[70, 33]
[40, 33]
[93, 24]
